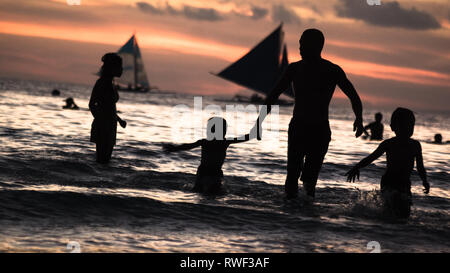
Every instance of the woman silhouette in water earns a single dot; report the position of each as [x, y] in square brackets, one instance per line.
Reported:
[103, 107]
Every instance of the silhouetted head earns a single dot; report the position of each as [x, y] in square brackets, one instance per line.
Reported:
[378, 117]
[402, 122]
[55, 92]
[69, 101]
[216, 128]
[112, 65]
[438, 138]
[311, 43]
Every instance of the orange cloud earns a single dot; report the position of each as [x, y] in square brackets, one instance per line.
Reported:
[161, 39]
[148, 38]
[357, 45]
[387, 72]
[390, 72]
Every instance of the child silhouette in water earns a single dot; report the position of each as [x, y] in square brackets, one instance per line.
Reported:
[376, 128]
[401, 151]
[214, 148]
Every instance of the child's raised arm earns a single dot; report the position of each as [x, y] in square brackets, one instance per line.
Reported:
[421, 170]
[240, 139]
[183, 147]
[354, 172]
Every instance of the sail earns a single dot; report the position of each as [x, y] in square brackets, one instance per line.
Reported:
[134, 74]
[262, 66]
[284, 64]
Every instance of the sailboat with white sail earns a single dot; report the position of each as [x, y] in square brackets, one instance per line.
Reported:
[261, 67]
[134, 78]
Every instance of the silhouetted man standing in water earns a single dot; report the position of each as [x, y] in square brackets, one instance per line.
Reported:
[314, 80]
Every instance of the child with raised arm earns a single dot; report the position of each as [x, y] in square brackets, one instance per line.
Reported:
[401, 151]
[214, 148]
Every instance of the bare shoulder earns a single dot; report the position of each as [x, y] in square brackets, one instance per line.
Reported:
[97, 82]
[386, 144]
[416, 145]
[100, 82]
[331, 64]
[334, 69]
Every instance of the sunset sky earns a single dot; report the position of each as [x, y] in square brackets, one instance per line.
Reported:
[395, 54]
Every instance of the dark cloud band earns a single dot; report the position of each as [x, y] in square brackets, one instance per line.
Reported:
[388, 14]
[202, 14]
[280, 13]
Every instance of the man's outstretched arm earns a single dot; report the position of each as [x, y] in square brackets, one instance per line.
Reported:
[280, 87]
[348, 89]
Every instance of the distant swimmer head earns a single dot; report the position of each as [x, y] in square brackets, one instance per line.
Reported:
[437, 138]
[378, 117]
[69, 101]
[112, 65]
[402, 122]
[56, 92]
[216, 128]
[311, 43]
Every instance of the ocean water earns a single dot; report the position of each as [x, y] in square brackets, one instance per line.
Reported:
[52, 191]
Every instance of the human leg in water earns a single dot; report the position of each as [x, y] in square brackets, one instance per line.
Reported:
[294, 169]
[103, 152]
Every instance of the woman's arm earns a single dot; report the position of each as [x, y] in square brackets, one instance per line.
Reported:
[94, 101]
[354, 172]
[183, 147]
[421, 169]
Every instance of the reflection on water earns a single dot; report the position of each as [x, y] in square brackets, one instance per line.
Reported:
[52, 190]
